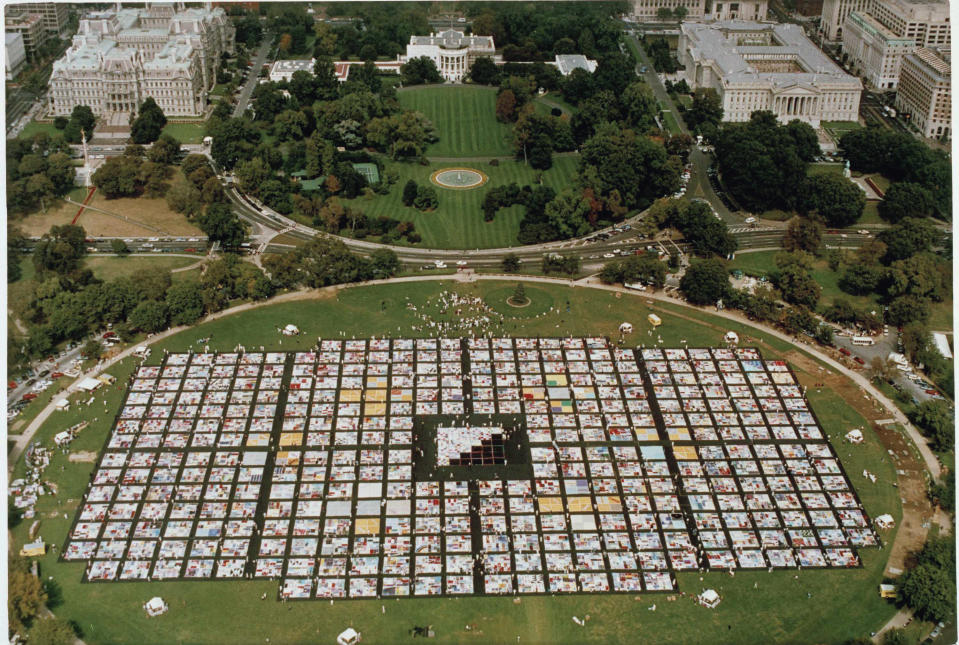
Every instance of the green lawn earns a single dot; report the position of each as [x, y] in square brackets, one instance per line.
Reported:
[34, 127]
[465, 119]
[185, 132]
[670, 122]
[795, 607]
[824, 168]
[458, 221]
[109, 268]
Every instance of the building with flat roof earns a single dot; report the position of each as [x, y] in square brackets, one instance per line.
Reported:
[55, 15]
[283, 70]
[925, 91]
[874, 50]
[925, 22]
[566, 63]
[30, 28]
[120, 57]
[648, 10]
[763, 66]
[15, 55]
[453, 51]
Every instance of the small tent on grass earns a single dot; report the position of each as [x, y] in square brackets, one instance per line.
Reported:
[349, 636]
[854, 436]
[709, 599]
[155, 606]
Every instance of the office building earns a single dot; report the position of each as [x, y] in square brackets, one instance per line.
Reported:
[925, 92]
[874, 51]
[15, 55]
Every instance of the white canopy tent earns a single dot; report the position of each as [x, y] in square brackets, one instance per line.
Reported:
[155, 606]
[854, 436]
[89, 384]
[349, 636]
[709, 598]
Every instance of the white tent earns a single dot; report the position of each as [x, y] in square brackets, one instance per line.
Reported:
[89, 384]
[731, 337]
[291, 330]
[62, 438]
[942, 344]
[709, 598]
[62, 404]
[854, 436]
[626, 328]
[155, 606]
[349, 636]
[885, 521]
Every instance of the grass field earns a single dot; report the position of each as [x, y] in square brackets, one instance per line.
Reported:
[34, 127]
[185, 132]
[794, 607]
[465, 120]
[669, 120]
[458, 221]
[109, 268]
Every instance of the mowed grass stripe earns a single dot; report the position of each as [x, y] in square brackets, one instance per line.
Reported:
[458, 221]
[465, 120]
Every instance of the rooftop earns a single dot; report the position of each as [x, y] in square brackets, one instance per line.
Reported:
[452, 39]
[568, 62]
[728, 43]
[871, 25]
[934, 61]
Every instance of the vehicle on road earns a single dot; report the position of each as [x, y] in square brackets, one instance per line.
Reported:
[608, 255]
[859, 360]
[863, 341]
[844, 351]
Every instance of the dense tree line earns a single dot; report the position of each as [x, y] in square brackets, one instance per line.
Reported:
[325, 261]
[929, 588]
[38, 171]
[902, 158]
[644, 269]
[138, 171]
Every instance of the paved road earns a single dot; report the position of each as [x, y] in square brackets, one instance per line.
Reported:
[253, 79]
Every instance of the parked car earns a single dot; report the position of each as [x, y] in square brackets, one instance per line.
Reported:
[29, 396]
[859, 360]
[844, 351]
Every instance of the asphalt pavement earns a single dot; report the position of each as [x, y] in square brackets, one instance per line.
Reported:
[254, 77]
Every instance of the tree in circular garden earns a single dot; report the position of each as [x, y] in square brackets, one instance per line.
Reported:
[705, 282]
[905, 199]
[149, 122]
[518, 298]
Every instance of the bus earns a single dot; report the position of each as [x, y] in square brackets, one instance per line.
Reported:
[862, 341]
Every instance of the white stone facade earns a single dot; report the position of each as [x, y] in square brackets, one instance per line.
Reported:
[925, 92]
[119, 58]
[762, 66]
[925, 22]
[874, 51]
[15, 55]
[648, 10]
[451, 50]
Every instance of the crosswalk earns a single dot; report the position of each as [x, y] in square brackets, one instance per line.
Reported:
[750, 229]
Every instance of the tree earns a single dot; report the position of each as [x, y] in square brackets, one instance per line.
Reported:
[289, 125]
[705, 282]
[916, 339]
[707, 108]
[184, 198]
[60, 249]
[384, 263]
[798, 286]
[929, 590]
[92, 349]
[252, 175]
[193, 162]
[484, 71]
[233, 140]
[936, 420]
[222, 225]
[149, 122]
[824, 334]
[860, 279]
[184, 301]
[118, 177]
[506, 106]
[426, 198]
[165, 150]
[907, 238]
[510, 263]
[52, 631]
[905, 199]
[664, 14]
[82, 117]
[835, 199]
[680, 12]
[541, 153]
[519, 295]
[25, 597]
[418, 71]
[803, 234]
[567, 214]
[409, 193]
[149, 316]
[119, 247]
